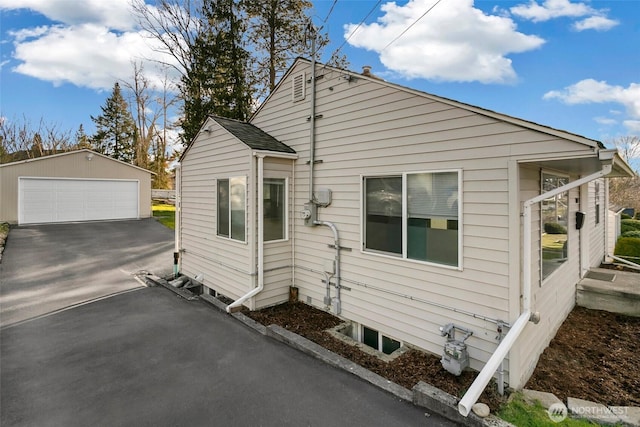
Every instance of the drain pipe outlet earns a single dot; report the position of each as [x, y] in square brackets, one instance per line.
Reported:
[256, 291]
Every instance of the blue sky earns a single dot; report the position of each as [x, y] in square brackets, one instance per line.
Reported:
[572, 65]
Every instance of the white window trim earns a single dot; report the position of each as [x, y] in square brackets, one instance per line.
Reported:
[246, 195]
[286, 210]
[403, 255]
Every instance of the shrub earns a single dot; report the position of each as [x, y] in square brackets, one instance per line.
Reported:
[628, 247]
[554, 228]
[629, 225]
[631, 233]
[625, 216]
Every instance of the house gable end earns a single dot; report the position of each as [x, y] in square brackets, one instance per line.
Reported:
[302, 64]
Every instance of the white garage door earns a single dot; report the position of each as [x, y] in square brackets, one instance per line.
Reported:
[43, 200]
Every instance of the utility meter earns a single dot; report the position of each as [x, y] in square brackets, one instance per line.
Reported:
[309, 214]
[455, 357]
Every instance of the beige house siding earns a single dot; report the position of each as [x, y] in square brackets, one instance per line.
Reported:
[396, 131]
[69, 165]
[596, 231]
[226, 265]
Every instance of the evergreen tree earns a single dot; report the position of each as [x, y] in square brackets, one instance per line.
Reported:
[229, 53]
[82, 139]
[218, 79]
[277, 34]
[115, 129]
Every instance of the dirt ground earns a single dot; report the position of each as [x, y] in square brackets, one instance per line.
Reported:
[595, 356]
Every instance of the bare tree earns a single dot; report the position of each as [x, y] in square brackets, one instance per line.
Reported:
[175, 25]
[625, 192]
[21, 140]
[150, 105]
[144, 117]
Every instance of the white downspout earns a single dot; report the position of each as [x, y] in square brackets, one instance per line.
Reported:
[485, 375]
[255, 291]
[176, 248]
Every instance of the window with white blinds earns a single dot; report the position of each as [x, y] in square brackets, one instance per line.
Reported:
[414, 216]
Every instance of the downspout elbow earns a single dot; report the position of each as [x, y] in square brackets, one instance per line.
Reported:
[485, 375]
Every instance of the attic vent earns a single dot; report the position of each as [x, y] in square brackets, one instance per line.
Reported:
[298, 87]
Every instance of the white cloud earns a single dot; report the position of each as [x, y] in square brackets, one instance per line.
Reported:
[598, 23]
[632, 126]
[115, 14]
[605, 121]
[551, 9]
[453, 42]
[590, 91]
[28, 33]
[86, 55]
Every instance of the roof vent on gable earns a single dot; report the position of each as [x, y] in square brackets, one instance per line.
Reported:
[298, 87]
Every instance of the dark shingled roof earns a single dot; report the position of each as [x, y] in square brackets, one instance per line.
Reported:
[252, 136]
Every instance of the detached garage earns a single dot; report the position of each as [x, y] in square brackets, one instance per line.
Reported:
[75, 186]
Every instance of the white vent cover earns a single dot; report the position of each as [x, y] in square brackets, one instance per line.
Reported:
[298, 87]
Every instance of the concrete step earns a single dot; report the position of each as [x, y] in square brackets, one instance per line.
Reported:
[610, 290]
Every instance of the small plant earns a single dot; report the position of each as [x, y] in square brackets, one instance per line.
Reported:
[629, 225]
[554, 228]
[521, 414]
[632, 233]
[625, 216]
[628, 247]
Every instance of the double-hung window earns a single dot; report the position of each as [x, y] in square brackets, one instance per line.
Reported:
[414, 216]
[231, 208]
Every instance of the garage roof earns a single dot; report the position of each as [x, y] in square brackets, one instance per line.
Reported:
[67, 153]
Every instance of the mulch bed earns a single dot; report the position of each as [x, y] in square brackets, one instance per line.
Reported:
[595, 356]
[406, 370]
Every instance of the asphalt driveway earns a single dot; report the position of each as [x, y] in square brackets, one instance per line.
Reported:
[83, 342]
[149, 358]
[46, 268]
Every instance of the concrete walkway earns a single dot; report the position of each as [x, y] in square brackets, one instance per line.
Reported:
[150, 358]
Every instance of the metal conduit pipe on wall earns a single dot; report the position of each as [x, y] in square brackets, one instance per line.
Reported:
[337, 304]
[312, 148]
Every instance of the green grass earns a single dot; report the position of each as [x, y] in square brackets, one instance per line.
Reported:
[521, 414]
[166, 214]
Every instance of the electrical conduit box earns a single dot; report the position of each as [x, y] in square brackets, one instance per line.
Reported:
[322, 197]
